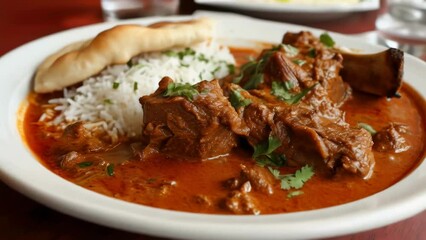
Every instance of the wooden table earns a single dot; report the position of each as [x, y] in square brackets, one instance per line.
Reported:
[22, 218]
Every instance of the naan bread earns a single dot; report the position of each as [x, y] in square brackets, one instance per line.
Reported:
[118, 45]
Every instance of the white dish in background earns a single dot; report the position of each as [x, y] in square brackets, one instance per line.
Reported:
[294, 11]
[20, 170]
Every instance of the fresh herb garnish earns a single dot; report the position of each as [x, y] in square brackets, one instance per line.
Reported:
[115, 85]
[186, 52]
[135, 86]
[299, 62]
[264, 153]
[296, 193]
[296, 180]
[327, 40]
[312, 53]
[202, 58]
[130, 63]
[215, 70]
[180, 54]
[255, 69]
[237, 100]
[367, 127]
[110, 169]
[247, 66]
[290, 51]
[282, 90]
[171, 53]
[181, 89]
[107, 101]
[231, 68]
[397, 95]
[84, 164]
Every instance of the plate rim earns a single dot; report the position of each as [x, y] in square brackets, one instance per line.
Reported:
[155, 222]
[366, 5]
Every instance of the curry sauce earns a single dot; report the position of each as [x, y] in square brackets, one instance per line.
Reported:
[181, 184]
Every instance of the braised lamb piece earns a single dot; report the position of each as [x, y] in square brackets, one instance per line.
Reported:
[201, 125]
[291, 93]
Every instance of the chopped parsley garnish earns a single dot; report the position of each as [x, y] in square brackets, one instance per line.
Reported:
[255, 69]
[202, 58]
[130, 63]
[294, 193]
[397, 95]
[237, 100]
[282, 90]
[367, 127]
[312, 53]
[110, 169]
[84, 164]
[293, 181]
[115, 85]
[215, 70]
[135, 86]
[231, 68]
[327, 40]
[186, 52]
[180, 54]
[290, 51]
[244, 68]
[171, 53]
[299, 62]
[264, 153]
[181, 89]
[107, 101]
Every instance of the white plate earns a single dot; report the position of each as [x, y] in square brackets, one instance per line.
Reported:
[20, 170]
[294, 11]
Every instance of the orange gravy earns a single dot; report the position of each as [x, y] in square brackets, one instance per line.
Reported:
[181, 185]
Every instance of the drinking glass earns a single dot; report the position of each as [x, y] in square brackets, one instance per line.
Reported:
[403, 25]
[123, 9]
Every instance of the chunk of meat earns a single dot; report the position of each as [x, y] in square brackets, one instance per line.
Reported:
[260, 179]
[241, 202]
[77, 138]
[313, 130]
[323, 65]
[391, 139]
[202, 128]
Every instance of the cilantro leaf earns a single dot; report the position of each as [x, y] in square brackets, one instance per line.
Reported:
[84, 164]
[326, 39]
[115, 85]
[290, 51]
[264, 153]
[312, 53]
[282, 90]
[237, 100]
[110, 169]
[231, 68]
[294, 194]
[367, 127]
[254, 69]
[298, 179]
[181, 89]
[247, 66]
[299, 62]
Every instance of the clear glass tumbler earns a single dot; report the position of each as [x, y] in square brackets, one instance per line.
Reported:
[403, 25]
[124, 9]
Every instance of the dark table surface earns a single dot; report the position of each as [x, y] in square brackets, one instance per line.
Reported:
[23, 20]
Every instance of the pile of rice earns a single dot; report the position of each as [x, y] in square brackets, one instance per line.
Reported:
[109, 102]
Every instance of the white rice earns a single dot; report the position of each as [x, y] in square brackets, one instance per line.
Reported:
[110, 101]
